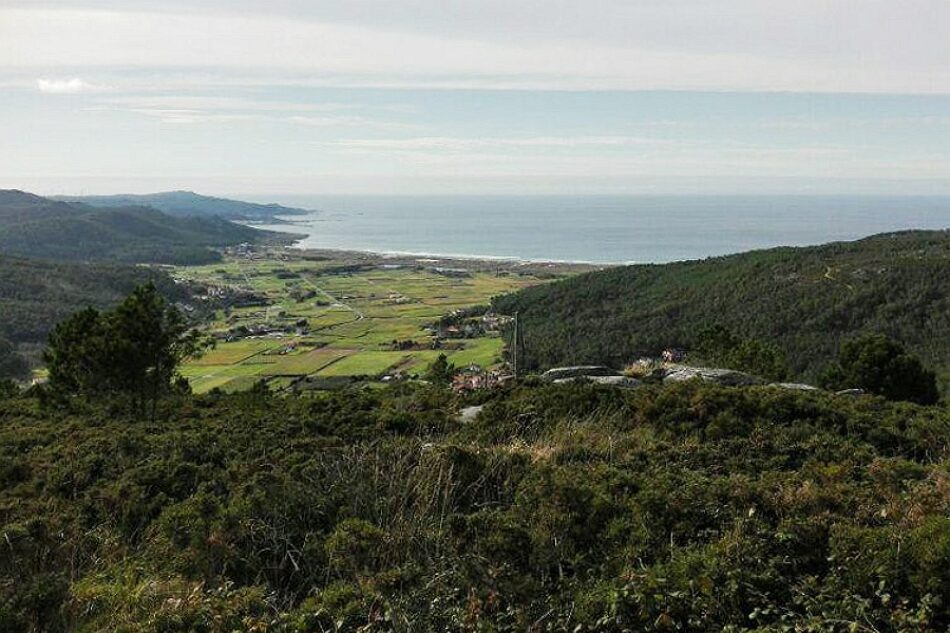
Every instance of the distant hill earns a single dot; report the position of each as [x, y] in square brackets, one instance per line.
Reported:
[37, 294]
[188, 203]
[34, 226]
[805, 300]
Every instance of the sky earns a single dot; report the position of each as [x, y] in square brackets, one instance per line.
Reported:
[272, 97]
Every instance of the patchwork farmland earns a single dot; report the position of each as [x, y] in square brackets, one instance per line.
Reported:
[326, 318]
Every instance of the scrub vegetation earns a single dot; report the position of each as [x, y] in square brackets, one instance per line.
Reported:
[558, 507]
[801, 302]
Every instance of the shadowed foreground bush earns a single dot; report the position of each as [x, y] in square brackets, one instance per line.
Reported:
[567, 507]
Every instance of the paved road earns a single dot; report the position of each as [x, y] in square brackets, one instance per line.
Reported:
[359, 315]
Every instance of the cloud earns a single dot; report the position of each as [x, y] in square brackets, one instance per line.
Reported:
[350, 121]
[739, 45]
[188, 109]
[452, 144]
[184, 116]
[221, 103]
[576, 158]
[64, 86]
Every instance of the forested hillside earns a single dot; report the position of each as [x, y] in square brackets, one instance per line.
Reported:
[187, 203]
[33, 226]
[805, 301]
[559, 508]
[37, 294]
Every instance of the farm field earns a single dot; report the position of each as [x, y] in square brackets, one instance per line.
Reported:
[329, 318]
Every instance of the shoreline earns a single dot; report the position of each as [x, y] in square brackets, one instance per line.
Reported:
[292, 243]
[447, 263]
[294, 240]
[440, 257]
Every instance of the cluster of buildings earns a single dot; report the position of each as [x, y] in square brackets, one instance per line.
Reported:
[475, 378]
[673, 355]
[457, 325]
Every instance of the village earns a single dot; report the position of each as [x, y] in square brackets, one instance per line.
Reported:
[315, 320]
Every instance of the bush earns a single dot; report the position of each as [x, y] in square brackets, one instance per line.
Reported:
[12, 365]
[882, 366]
[8, 389]
[355, 547]
[561, 507]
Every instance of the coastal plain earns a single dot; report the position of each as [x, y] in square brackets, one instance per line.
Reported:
[340, 315]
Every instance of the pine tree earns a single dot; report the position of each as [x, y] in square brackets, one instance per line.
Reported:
[133, 351]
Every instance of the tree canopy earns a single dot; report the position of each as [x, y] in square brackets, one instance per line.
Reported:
[12, 365]
[440, 371]
[721, 347]
[802, 301]
[132, 351]
[880, 365]
[574, 507]
[33, 226]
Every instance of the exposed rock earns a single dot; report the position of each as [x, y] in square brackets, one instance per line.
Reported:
[624, 382]
[850, 392]
[796, 386]
[580, 371]
[726, 377]
[470, 413]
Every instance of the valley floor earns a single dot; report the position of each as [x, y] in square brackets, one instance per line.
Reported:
[333, 315]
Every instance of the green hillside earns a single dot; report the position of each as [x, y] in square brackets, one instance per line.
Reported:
[33, 226]
[804, 300]
[558, 508]
[187, 203]
[37, 294]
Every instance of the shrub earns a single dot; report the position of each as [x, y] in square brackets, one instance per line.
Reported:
[882, 366]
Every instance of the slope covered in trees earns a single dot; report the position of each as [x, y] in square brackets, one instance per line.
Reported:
[187, 203]
[37, 294]
[558, 508]
[33, 226]
[12, 364]
[804, 301]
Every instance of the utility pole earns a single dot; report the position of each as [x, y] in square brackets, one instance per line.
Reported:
[516, 346]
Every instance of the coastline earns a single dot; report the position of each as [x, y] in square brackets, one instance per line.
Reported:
[484, 262]
[293, 242]
[608, 231]
[445, 262]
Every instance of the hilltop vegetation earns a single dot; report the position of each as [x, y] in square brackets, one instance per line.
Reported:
[187, 203]
[33, 226]
[804, 301]
[560, 507]
[37, 294]
[12, 364]
[128, 503]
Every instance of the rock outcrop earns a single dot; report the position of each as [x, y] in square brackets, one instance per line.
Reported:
[726, 377]
[652, 372]
[470, 413]
[850, 392]
[624, 382]
[794, 386]
[580, 371]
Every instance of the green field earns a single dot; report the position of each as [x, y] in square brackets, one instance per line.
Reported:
[352, 319]
[365, 363]
[482, 351]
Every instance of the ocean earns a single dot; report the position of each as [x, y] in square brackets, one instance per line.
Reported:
[600, 229]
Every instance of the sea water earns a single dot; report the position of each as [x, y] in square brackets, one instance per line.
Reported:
[600, 229]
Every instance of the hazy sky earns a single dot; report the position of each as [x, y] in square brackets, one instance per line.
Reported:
[493, 96]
